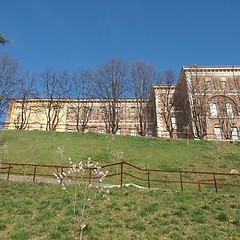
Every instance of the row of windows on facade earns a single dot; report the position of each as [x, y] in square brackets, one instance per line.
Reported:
[210, 83]
[133, 132]
[73, 110]
[219, 133]
[214, 109]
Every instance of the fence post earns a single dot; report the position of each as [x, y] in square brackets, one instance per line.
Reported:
[90, 176]
[215, 182]
[61, 181]
[121, 174]
[34, 173]
[148, 180]
[9, 167]
[199, 184]
[181, 181]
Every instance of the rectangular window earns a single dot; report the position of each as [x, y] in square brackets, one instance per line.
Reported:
[101, 130]
[20, 110]
[235, 133]
[133, 132]
[87, 110]
[36, 126]
[70, 129]
[132, 110]
[56, 109]
[223, 81]
[118, 132]
[223, 84]
[213, 109]
[71, 111]
[229, 109]
[149, 133]
[173, 120]
[208, 83]
[218, 133]
[101, 109]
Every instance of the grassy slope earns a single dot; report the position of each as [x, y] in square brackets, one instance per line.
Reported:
[41, 147]
[41, 211]
[44, 211]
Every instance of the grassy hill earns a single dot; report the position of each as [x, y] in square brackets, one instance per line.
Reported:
[45, 211]
[52, 147]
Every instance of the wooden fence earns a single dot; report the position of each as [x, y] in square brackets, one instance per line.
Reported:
[122, 172]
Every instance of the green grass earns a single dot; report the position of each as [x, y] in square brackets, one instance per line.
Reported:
[45, 211]
[41, 147]
[39, 211]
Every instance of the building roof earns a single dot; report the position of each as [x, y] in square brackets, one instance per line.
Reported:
[195, 66]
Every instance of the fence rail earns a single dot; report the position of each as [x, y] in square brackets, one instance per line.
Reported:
[124, 171]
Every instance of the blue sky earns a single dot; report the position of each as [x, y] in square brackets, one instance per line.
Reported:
[86, 33]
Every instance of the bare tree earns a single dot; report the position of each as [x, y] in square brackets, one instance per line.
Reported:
[198, 92]
[167, 88]
[56, 86]
[9, 77]
[190, 101]
[3, 40]
[205, 103]
[236, 87]
[143, 76]
[80, 108]
[226, 116]
[110, 85]
[26, 89]
[226, 108]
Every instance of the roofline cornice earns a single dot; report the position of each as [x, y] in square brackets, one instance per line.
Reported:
[209, 68]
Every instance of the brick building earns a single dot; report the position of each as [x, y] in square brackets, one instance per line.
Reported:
[204, 104]
[84, 115]
[207, 101]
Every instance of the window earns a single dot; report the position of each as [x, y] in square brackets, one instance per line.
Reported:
[117, 109]
[173, 120]
[87, 110]
[101, 130]
[36, 126]
[20, 110]
[133, 132]
[229, 109]
[118, 132]
[149, 133]
[235, 133]
[223, 84]
[70, 128]
[56, 109]
[132, 110]
[213, 109]
[36, 113]
[71, 111]
[223, 81]
[101, 109]
[208, 83]
[218, 133]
